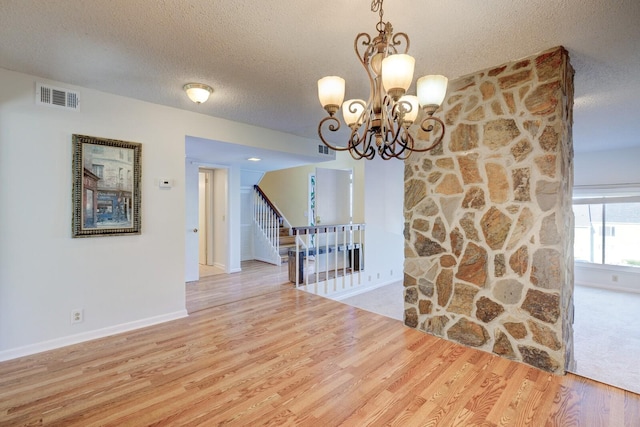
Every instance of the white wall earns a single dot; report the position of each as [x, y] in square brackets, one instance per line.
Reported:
[293, 203]
[383, 212]
[220, 219]
[121, 282]
[607, 168]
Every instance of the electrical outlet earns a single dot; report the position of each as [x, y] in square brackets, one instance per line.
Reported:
[378, 276]
[77, 315]
[391, 273]
[614, 277]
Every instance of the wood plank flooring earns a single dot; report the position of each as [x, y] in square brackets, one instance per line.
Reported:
[256, 279]
[286, 357]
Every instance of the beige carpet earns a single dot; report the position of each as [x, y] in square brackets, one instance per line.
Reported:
[606, 336]
[386, 300]
[606, 330]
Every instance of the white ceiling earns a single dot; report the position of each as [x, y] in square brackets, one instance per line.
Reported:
[263, 58]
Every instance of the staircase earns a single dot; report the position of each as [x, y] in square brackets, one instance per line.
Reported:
[272, 239]
[287, 241]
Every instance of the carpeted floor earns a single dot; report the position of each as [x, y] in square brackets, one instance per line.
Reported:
[606, 330]
[386, 300]
[606, 336]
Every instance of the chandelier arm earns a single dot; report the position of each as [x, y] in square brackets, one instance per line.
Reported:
[357, 139]
[394, 127]
[406, 143]
[364, 39]
[369, 151]
[353, 146]
[429, 128]
[396, 41]
[333, 128]
[388, 151]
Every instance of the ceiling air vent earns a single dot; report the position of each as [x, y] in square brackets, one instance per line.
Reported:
[323, 149]
[57, 97]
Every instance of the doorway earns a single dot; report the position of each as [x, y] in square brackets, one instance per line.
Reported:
[206, 216]
[207, 250]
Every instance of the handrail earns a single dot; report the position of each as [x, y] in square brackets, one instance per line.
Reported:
[325, 228]
[267, 225]
[327, 257]
[269, 203]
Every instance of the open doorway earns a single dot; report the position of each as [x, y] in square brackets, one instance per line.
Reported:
[208, 224]
[212, 218]
[206, 219]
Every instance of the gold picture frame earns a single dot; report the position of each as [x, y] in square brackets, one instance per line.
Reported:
[106, 187]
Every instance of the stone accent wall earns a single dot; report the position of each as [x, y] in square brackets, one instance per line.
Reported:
[488, 219]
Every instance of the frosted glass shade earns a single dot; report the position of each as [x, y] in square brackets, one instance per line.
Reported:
[409, 116]
[397, 73]
[432, 90]
[331, 91]
[198, 92]
[352, 111]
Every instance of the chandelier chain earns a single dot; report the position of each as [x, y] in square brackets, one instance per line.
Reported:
[376, 6]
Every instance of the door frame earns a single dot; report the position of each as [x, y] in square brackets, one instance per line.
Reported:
[208, 220]
[192, 169]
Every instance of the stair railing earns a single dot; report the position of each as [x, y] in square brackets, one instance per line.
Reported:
[334, 261]
[267, 222]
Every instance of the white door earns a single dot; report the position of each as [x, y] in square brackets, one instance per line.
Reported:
[219, 218]
[333, 196]
[202, 217]
[191, 222]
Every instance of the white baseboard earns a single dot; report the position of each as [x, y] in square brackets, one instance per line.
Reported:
[269, 260]
[339, 296]
[346, 293]
[88, 336]
[608, 287]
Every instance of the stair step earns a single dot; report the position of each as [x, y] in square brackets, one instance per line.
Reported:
[287, 240]
[284, 231]
[284, 249]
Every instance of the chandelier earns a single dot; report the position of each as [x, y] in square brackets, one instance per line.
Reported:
[382, 122]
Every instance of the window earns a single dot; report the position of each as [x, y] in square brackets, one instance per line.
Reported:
[98, 170]
[607, 230]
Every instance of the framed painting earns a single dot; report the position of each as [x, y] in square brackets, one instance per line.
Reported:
[106, 187]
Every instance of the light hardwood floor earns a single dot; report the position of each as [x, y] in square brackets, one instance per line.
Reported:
[256, 279]
[286, 357]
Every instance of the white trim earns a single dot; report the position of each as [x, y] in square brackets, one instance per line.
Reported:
[339, 296]
[605, 192]
[607, 267]
[608, 287]
[356, 289]
[88, 336]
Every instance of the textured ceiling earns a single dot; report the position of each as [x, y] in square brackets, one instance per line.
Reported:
[263, 58]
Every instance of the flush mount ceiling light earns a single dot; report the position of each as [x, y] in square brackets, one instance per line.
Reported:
[254, 159]
[198, 92]
[382, 122]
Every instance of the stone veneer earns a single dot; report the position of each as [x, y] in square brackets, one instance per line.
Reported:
[488, 219]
